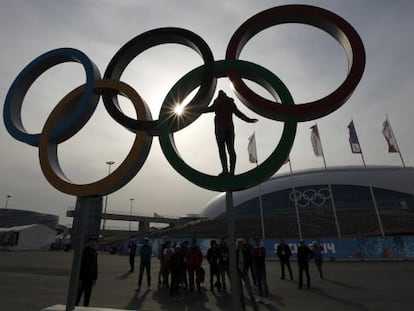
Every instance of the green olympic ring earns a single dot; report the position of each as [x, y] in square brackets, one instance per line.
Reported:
[247, 179]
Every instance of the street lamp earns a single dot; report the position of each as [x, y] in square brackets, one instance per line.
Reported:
[7, 200]
[106, 197]
[130, 214]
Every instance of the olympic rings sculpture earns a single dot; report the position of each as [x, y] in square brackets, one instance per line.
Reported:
[76, 108]
[306, 197]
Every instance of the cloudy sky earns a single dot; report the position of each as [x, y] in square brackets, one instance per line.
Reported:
[310, 63]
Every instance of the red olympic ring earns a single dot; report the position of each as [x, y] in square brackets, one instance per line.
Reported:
[325, 20]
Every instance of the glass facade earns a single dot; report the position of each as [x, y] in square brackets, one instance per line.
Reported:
[348, 211]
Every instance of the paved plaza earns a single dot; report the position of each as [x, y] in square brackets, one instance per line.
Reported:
[36, 280]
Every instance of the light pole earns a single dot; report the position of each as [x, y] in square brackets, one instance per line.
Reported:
[7, 200]
[130, 214]
[106, 197]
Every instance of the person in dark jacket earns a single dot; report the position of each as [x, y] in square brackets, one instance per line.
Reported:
[194, 260]
[284, 253]
[318, 257]
[182, 252]
[132, 245]
[259, 264]
[88, 272]
[145, 253]
[304, 255]
[250, 267]
[224, 262]
[213, 256]
[161, 281]
[175, 270]
[242, 259]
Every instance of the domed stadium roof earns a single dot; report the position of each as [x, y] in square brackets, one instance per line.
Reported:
[391, 178]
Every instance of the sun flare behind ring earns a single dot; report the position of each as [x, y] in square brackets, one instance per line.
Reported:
[179, 109]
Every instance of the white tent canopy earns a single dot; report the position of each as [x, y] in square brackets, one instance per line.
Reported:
[29, 237]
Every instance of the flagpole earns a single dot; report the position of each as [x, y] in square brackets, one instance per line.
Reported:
[261, 208]
[253, 158]
[260, 193]
[370, 187]
[330, 189]
[399, 152]
[296, 201]
[234, 277]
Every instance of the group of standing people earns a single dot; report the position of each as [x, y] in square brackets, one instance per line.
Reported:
[304, 255]
[251, 259]
[181, 265]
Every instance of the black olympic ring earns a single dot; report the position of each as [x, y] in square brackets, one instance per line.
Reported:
[75, 109]
[147, 40]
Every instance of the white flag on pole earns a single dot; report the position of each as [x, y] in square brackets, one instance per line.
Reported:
[353, 139]
[316, 141]
[389, 137]
[251, 148]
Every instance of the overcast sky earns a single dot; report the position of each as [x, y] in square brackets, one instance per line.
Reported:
[309, 62]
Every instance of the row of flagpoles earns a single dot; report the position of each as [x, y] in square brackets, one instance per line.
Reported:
[318, 151]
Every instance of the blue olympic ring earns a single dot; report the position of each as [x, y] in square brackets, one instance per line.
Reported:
[77, 115]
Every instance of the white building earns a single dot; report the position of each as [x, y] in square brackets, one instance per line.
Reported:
[28, 237]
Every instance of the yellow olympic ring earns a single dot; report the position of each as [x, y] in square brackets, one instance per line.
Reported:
[120, 176]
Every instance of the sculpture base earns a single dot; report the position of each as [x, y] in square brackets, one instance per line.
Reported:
[63, 308]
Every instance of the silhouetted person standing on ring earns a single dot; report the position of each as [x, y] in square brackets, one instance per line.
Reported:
[224, 108]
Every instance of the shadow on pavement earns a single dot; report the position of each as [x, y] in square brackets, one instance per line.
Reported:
[358, 288]
[183, 301]
[123, 276]
[136, 300]
[349, 303]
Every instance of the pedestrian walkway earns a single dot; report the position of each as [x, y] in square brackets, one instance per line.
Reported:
[33, 281]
